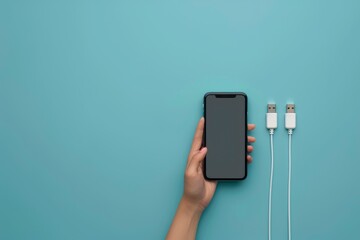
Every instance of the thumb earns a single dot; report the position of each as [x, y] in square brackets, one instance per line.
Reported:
[196, 160]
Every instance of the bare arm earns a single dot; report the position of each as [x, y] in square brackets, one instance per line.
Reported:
[185, 222]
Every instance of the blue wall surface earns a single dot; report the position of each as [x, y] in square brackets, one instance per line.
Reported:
[99, 101]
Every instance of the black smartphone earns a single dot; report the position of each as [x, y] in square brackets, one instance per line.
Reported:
[225, 136]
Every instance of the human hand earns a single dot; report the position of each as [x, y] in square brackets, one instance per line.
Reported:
[198, 191]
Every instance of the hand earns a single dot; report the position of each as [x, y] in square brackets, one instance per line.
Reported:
[198, 191]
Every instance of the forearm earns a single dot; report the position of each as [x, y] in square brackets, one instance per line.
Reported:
[185, 222]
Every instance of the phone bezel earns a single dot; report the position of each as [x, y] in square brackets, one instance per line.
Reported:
[246, 135]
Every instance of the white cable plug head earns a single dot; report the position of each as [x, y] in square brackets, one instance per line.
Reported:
[271, 117]
[290, 117]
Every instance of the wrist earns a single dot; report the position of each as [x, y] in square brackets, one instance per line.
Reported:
[190, 207]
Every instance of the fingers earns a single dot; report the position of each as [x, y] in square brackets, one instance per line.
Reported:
[196, 161]
[250, 140]
[249, 150]
[251, 126]
[196, 157]
[196, 144]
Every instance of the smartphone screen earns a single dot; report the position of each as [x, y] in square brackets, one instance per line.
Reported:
[225, 135]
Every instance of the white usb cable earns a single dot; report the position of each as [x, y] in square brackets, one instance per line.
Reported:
[271, 124]
[290, 124]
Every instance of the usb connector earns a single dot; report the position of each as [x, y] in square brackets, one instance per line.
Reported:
[290, 117]
[271, 108]
[271, 117]
[290, 108]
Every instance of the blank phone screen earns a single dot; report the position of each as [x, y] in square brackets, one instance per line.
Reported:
[225, 136]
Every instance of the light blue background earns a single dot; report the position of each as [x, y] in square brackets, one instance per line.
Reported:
[99, 101]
